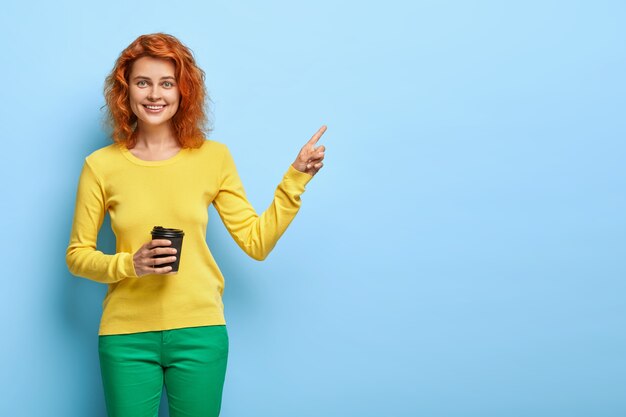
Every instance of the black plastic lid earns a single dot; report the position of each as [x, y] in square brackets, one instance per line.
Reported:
[159, 231]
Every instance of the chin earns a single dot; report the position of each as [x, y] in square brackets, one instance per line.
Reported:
[156, 119]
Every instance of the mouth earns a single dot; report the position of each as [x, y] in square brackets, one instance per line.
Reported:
[154, 108]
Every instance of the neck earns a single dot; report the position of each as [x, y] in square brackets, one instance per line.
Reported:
[156, 137]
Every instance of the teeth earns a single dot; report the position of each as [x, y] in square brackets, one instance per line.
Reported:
[154, 107]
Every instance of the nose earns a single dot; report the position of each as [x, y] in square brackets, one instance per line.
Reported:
[154, 94]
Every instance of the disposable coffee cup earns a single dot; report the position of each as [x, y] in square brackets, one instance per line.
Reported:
[173, 235]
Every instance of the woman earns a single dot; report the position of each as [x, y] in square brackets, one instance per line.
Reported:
[161, 326]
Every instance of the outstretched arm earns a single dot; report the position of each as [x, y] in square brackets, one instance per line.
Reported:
[257, 235]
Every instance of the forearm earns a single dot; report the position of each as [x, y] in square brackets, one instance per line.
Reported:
[262, 234]
[89, 263]
[258, 235]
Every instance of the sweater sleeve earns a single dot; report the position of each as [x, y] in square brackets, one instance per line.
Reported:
[81, 255]
[257, 235]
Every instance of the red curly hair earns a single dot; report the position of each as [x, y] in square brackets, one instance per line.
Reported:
[190, 120]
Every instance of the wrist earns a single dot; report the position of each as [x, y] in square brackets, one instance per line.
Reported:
[300, 166]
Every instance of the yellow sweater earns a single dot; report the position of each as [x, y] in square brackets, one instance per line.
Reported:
[173, 193]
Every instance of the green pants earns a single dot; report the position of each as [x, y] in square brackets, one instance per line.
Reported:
[191, 362]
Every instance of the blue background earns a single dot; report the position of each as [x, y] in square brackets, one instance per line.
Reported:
[461, 253]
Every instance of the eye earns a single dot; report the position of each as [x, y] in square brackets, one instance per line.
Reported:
[142, 83]
[168, 84]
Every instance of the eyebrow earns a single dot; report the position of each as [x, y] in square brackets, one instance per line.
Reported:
[148, 78]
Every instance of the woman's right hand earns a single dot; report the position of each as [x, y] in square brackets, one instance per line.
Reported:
[144, 260]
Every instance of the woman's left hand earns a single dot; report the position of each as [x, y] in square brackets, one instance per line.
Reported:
[310, 158]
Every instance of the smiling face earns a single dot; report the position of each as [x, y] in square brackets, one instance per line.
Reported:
[153, 92]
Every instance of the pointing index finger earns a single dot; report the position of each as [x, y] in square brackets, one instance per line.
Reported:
[317, 135]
